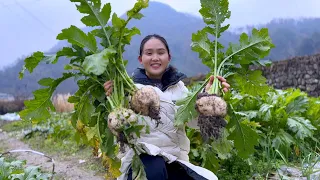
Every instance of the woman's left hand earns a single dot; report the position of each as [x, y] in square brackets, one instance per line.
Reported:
[225, 85]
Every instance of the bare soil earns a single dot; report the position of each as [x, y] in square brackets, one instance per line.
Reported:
[65, 170]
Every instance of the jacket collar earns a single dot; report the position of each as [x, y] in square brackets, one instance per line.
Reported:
[170, 77]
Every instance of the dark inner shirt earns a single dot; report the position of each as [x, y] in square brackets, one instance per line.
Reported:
[157, 83]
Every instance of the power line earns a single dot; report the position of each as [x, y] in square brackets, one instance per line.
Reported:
[8, 7]
[13, 4]
[33, 16]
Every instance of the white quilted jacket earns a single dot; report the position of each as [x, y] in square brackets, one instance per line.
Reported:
[165, 140]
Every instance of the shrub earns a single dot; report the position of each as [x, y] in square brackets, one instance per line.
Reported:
[11, 106]
[60, 102]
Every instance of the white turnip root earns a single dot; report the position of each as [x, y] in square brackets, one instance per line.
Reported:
[117, 120]
[146, 102]
[211, 105]
[212, 110]
[121, 117]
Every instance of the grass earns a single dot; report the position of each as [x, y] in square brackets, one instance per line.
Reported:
[16, 125]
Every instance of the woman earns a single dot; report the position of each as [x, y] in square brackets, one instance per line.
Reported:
[166, 147]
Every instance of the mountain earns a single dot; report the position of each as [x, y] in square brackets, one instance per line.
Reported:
[291, 37]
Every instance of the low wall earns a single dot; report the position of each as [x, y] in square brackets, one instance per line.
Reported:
[300, 72]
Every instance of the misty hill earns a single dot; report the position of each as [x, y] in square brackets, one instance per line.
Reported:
[291, 37]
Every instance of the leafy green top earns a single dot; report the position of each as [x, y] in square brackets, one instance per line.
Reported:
[232, 62]
[90, 66]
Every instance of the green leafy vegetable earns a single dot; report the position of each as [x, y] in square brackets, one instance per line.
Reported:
[245, 139]
[91, 66]
[76, 36]
[249, 51]
[38, 108]
[233, 63]
[19, 171]
[97, 63]
[138, 169]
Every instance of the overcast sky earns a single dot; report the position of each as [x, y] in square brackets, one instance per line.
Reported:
[31, 25]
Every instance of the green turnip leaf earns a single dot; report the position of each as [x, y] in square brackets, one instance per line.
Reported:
[215, 12]
[97, 63]
[95, 15]
[186, 112]
[244, 137]
[76, 36]
[134, 12]
[250, 82]
[301, 127]
[138, 172]
[39, 108]
[250, 48]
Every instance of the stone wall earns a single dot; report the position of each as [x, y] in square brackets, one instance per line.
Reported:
[299, 72]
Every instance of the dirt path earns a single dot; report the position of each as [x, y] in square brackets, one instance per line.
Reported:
[65, 170]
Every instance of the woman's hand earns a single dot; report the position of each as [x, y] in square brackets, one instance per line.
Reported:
[108, 87]
[225, 85]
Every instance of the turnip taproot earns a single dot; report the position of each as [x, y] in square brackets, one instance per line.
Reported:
[118, 120]
[212, 110]
[121, 117]
[211, 105]
[146, 102]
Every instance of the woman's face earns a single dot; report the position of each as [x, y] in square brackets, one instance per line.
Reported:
[154, 58]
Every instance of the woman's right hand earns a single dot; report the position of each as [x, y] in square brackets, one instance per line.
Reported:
[108, 87]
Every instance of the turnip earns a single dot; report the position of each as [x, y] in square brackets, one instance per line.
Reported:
[210, 107]
[96, 57]
[145, 101]
[121, 117]
[212, 110]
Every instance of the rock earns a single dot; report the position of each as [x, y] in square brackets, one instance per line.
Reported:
[302, 87]
[291, 171]
[82, 161]
[307, 76]
[311, 87]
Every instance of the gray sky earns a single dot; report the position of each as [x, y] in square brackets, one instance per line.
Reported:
[31, 25]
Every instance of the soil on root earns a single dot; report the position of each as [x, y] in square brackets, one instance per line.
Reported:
[211, 127]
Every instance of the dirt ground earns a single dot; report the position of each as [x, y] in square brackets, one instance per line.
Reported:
[65, 170]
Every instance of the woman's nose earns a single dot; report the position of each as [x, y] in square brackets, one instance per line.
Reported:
[155, 58]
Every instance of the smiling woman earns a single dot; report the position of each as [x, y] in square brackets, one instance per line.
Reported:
[165, 148]
[154, 55]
